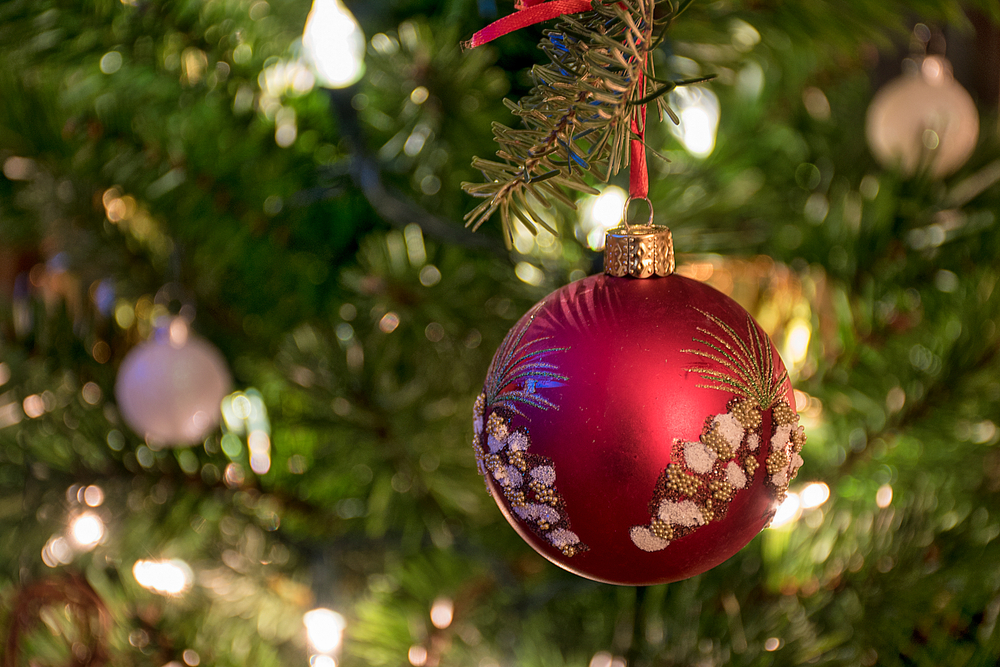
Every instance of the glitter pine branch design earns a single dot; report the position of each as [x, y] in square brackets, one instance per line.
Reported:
[517, 370]
[750, 365]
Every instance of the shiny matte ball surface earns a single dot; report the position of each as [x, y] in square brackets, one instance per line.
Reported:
[171, 393]
[637, 431]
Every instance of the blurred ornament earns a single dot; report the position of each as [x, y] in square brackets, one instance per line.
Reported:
[637, 427]
[923, 120]
[170, 388]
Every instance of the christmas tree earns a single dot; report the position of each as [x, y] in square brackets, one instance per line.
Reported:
[198, 175]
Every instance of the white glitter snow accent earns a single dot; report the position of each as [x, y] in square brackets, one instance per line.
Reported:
[643, 538]
[560, 537]
[518, 441]
[780, 478]
[538, 511]
[698, 457]
[512, 477]
[782, 435]
[794, 465]
[737, 478]
[477, 424]
[494, 444]
[753, 442]
[684, 513]
[731, 429]
[544, 474]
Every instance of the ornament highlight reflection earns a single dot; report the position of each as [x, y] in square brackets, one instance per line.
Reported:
[788, 511]
[334, 44]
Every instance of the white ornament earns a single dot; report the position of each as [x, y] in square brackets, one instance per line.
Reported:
[923, 120]
[169, 389]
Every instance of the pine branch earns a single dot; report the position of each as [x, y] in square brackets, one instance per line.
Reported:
[577, 118]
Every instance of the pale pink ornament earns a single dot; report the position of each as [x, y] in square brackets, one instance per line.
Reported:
[923, 120]
[170, 388]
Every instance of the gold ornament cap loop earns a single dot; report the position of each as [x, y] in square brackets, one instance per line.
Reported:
[639, 251]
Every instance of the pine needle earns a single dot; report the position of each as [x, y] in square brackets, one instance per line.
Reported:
[576, 120]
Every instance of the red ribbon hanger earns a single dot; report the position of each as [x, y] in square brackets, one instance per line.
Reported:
[531, 12]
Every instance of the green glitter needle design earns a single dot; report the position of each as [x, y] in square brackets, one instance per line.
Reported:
[750, 366]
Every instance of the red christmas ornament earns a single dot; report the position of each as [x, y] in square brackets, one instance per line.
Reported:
[637, 431]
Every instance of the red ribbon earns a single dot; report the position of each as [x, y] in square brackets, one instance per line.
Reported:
[530, 12]
[638, 185]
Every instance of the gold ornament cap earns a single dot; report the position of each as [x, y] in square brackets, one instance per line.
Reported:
[639, 251]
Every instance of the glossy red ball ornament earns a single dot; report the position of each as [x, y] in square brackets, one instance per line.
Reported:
[637, 431]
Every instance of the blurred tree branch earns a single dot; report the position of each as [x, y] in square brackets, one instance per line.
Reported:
[392, 205]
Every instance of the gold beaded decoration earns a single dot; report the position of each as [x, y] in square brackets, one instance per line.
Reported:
[776, 461]
[708, 511]
[782, 413]
[715, 441]
[789, 438]
[682, 493]
[798, 439]
[661, 529]
[721, 490]
[497, 427]
[525, 479]
[680, 481]
[747, 414]
[518, 460]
